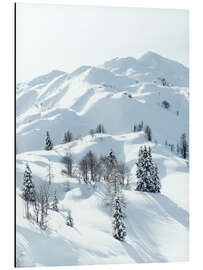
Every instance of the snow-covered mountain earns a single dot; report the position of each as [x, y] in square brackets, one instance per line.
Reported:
[120, 93]
[149, 67]
[90, 95]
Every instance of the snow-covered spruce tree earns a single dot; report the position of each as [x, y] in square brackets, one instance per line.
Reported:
[147, 172]
[119, 229]
[48, 142]
[55, 202]
[69, 219]
[155, 185]
[28, 193]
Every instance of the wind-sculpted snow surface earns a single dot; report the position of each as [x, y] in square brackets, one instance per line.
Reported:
[118, 95]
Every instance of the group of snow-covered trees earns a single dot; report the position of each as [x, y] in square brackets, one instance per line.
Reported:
[147, 130]
[115, 175]
[68, 136]
[98, 130]
[40, 198]
[182, 148]
[138, 127]
[92, 169]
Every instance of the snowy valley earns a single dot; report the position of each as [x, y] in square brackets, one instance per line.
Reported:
[124, 95]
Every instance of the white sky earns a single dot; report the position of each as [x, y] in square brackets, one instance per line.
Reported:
[66, 37]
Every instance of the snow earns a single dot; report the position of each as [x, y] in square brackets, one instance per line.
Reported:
[76, 99]
[149, 67]
[157, 225]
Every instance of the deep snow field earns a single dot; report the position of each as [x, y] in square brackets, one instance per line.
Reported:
[118, 94]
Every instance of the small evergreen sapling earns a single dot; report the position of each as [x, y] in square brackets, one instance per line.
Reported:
[55, 202]
[69, 219]
[48, 142]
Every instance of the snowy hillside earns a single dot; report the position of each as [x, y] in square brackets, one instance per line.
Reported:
[157, 224]
[86, 97]
[149, 67]
[119, 94]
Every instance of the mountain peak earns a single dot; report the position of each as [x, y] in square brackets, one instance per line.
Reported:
[151, 55]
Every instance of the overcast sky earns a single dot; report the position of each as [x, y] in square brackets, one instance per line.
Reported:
[66, 37]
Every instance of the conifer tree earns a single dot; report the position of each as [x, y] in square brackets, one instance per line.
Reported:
[183, 146]
[55, 202]
[119, 231]
[69, 219]
[48, 142]
[100, 129]
[148, 133]
[28, 186]
[68, 137]
[147, 172]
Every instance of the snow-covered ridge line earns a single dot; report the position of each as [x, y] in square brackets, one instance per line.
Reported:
[91, 95]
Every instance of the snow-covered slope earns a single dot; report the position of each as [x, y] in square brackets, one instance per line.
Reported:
[120, 93]
[149, 67]
[91, 95]
[157, 224]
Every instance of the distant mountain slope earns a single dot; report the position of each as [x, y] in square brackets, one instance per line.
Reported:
[149, 67]
[112, 94]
